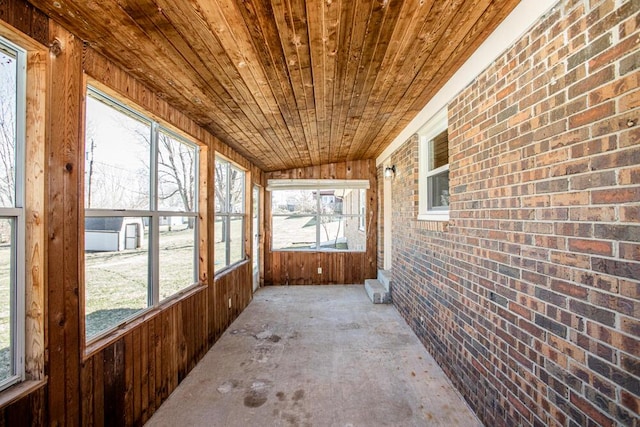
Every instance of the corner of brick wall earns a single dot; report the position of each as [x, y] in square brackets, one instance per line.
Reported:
[531, 294]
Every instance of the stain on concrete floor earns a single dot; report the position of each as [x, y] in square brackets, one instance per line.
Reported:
[316, 356]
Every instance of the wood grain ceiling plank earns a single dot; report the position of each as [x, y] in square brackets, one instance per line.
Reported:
[289, 83]
[487, 23]
[454, 47]
[112, 32]
[381, 26]
[345, 25]
[259, 21]
[315, 30]
[152, 21]
[239, 66]
[332, 14]
[289, 42]
[398, 71]
[152, 17]
[299, 22]
[348, 68]
[412, 15]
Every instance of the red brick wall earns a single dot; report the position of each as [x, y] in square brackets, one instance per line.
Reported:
[529, 297]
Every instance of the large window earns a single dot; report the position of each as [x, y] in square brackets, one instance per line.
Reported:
[141, 214]
[317, 215]
[434, 169]
[230, 214]
[12, 258]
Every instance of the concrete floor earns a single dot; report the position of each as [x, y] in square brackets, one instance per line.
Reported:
[316, 356]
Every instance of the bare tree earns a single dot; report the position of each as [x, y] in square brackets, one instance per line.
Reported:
[176, 172]
[7, 129]
[225, 175]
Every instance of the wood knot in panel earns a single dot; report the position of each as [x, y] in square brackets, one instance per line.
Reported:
[55, 48]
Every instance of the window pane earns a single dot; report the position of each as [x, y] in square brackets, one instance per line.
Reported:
[177, 254]
[331, 201]
[236, 191]
[117, 158]
[362, 209]
[176, 174]
[116, 271]
[221, 186]
[299, 202]
[8, 97]
[6, 306]
[439, 190]
[439, 150]
[220, 250]
[236, 242]
[294, 232]
[332, 236]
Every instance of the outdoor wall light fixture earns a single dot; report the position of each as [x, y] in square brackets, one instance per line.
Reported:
[390, 171]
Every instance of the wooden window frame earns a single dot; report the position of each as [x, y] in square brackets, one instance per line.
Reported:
[34, 238]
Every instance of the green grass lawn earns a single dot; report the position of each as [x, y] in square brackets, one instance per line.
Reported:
[117, 282]
[5, 331]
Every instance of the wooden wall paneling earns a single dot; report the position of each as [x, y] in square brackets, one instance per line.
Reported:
[128, 368]
[159, 378]
[87, 390]
[96, 416]
[63, 109]
[168, 351]
[27, 19]
[136, 372]
[114, 392]
[27, 411]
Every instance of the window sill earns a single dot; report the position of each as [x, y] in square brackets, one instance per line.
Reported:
[20, 390]
[224, 271]
[444, 216]
[100, 342]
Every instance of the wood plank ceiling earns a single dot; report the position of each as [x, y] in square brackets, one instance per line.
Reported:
[289, 83]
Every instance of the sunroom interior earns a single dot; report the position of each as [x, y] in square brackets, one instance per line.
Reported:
[475, 165]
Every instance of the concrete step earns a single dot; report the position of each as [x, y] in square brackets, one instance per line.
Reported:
[384, 277]
[377, 292]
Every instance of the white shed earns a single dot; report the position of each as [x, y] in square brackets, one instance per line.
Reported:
[110, 234]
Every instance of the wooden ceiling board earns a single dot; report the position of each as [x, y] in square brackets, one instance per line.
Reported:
[289, 83]
[244, 74]
[443, 63]
[374, 50]
[391, 72]
[266, 41]
[414, 46]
